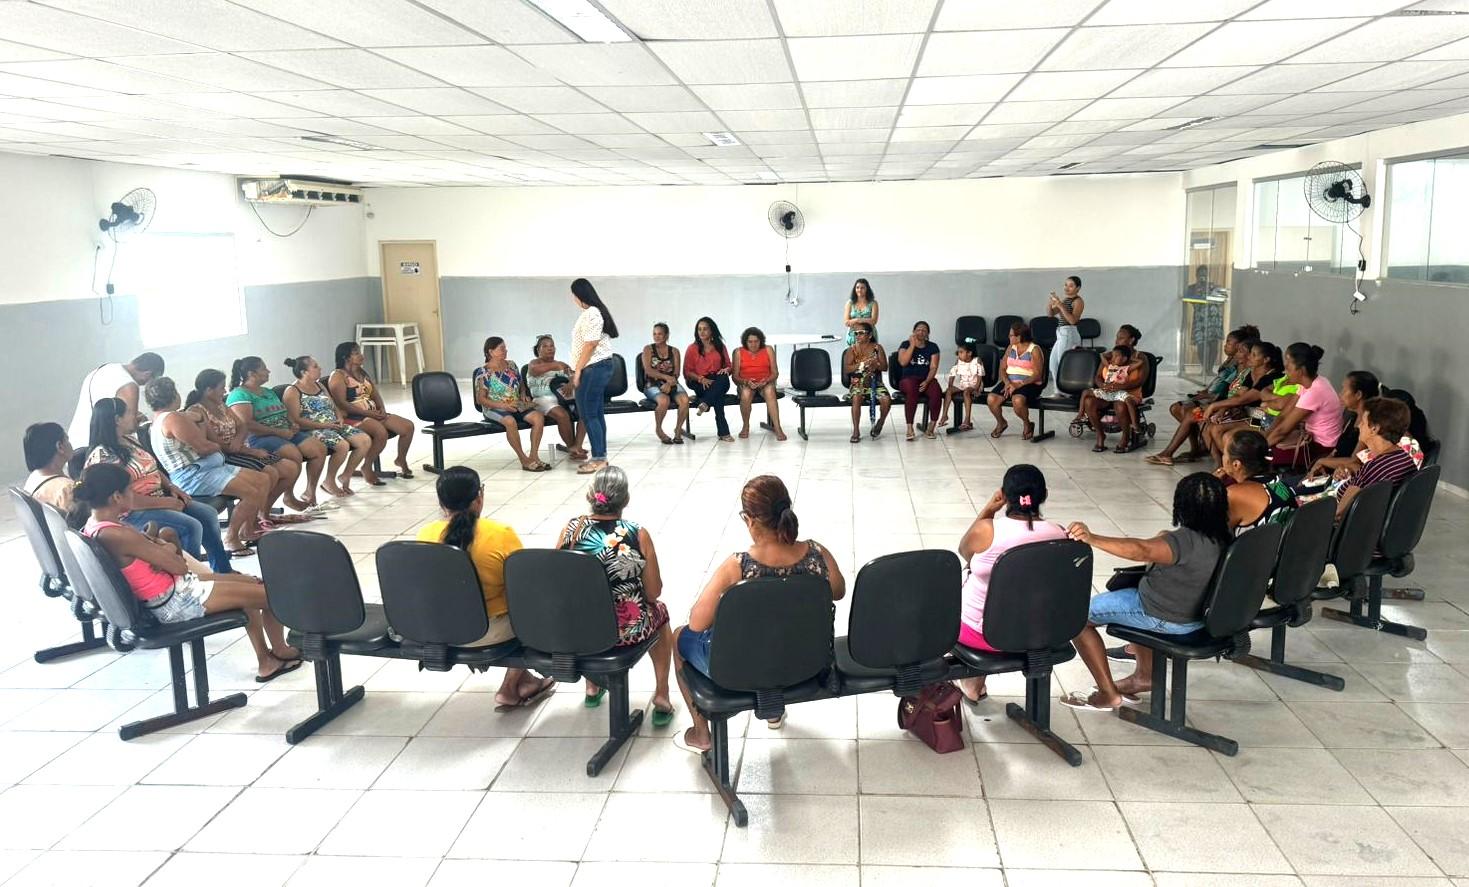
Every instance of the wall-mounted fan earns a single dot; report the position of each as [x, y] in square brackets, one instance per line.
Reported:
[786, 219]
[1336, 193]
[129, 216]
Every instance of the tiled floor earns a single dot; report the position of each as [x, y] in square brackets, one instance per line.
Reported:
[424, 784]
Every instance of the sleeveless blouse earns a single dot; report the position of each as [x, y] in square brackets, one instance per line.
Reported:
[859, 312]
[1069, 301]
[615, 543]
[223, 428]
[1280, 504]
[1022, 367]
[1009, 532]
[501, 386]
[146, 581]
[173, 454]
[811, 564]
[755, 366]
[662, 364]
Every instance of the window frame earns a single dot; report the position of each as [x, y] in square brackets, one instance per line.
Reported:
[1340, 252]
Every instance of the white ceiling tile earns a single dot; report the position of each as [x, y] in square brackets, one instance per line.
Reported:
[690, 139]
[22, 109]
[31, 87]
[1459, 49]
[237, 104]
[1389, 39]
[334, 102]
[1008, 131]
[221, 71]
[1054, 85]
[598, 64]
[852, 135]
[835, 58]
[980, 15]
[548, 142]
[943, 115]
[368, 22]
[1407, 101]
[474, 142]
[817, 18]
[676, 121]
[541, 99]
[503, 21]
[349, 68]
[1180, 81]
[1057, 141]
[1077, 127]
[337, 126]
[693, 19]
[55, 29]
[19, 52]
[439, 100]
[1293, 78]
[589, 124]
[501, 124]
[1307, 103]
[854, 93]
[859, 150]
[1397, 75]
[785, 137]
[1117, 109]
[763, 120]
[645, 98]
[414, 125]
[399, 143]
[487, 66]
[1221, 105]
[984, 52]
[1123, 46]
[625, 140]
[99, 75]
[929, 133]
[1277, 9]
[851, 118]
[1259, 43]
[1034, 112]
[243, 127]
[725, 61]
[749, 97]
[1140, 12]
[961, 90]
[1455, 83]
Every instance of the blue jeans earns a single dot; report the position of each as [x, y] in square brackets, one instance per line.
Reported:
[1067, 337]
[197, 524]
[1125, 607]
[713, 395]
[591, 397]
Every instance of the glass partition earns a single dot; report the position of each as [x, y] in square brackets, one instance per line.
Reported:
[1209, 260]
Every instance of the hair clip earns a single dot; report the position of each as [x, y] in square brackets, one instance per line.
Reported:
[1025, 501]
[601, 498]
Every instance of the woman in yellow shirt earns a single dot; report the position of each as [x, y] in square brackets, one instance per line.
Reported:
[462, 498]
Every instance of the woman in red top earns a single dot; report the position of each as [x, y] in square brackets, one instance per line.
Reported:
[706, 368]
[756, 373]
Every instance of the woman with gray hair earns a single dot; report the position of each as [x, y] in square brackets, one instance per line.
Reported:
[627, 554]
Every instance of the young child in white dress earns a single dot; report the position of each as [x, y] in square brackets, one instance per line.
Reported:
[966, 377]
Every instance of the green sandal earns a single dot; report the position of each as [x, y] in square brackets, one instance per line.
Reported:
[596, 700]
[661, 717]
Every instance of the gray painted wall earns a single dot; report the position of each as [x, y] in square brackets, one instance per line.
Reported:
[51, 345]
[1405, 334]
[520, 308]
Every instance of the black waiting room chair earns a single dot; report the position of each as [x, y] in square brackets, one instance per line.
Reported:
[111, 634]
[1043, 333]
[563, 612]
[811, 375]
[1038, 599]
[123, 610]
[312, 589]
[617, 387]
[1402, 529]
[1352, 547]
[1303, 553]
[772, 647]
[970, 328]
[903, 623]
[433, 601]
[1238, 588]
[436, 401]
[1089, 329]
[1076, 375]
[56, 580]
[1001, 326]
[640, 376]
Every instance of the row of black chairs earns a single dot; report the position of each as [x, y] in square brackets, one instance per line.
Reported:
[973, 328]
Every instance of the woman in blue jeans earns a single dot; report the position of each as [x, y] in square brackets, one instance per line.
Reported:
[1169, 596]
[591, 365]
[152, 498]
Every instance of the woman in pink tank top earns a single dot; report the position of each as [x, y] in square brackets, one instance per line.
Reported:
[159, 576]
[992, 534]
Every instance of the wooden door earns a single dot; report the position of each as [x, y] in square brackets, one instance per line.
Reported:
[411, 294]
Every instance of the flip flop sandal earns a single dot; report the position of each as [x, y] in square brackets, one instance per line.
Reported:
[877, 429]
[527, 701]
[667, 441]
[1029, 432]
[532, 467]
[1078, 700]
[911, 435]
[678, 441]
[856, 438]
[1120, 449]
[296, 658]
[967, 426]
[594, 701]
[238, 553]
[681, 742]
[1099, 448]
[588, 468]
[404, 473]
[999, 430]
[974, 703]
[930, 435]
[286, 668]
[1158, 459]
[1119, 654]
[661, 717]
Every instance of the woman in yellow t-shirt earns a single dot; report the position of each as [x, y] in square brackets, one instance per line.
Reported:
[462, 497]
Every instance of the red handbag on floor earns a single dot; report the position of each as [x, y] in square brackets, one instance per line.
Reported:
[934, 717]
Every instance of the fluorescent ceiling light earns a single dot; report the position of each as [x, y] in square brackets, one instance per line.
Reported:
[584, 20]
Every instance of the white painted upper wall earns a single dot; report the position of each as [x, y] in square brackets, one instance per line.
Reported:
[1372, 150]
[49, 234]
[1057, 222]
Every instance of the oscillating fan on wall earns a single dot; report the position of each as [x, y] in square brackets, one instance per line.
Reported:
[1336, 193]
[787, 220]
[126, 218]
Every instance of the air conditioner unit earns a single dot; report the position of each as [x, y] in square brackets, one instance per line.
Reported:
[299, 191]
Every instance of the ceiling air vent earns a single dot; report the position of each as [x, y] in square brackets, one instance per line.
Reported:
[1268, 147]
[1188, 124]
[1421, 13]
[1069, 165]
[722, 139]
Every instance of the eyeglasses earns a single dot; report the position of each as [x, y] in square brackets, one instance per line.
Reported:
[862, 333]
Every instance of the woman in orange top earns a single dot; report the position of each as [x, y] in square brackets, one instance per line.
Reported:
[755, 373]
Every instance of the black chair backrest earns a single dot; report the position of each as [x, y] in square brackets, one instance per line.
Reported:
[1043, 332]
[1038, 596]
[112, 593]
[144, 434]
[640, 375]
[771, 633]
[989, 357]
[560, 601]
[905, 608]
[1150, 384]
[1407, 513]
[310, 582]
[431, 593]
[28, 512]
[436, 397]
[1002, 324]
[1241, 580]
[56, 524]
[1303, 552]
[617, 385]
[280, 390]
[1360, 529]
[1078, 370]
[971, 326]
[1089, 329]
[810, 370]
[1430, 449]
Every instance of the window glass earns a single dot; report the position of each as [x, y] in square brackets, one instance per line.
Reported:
[1290, 237]
[187, 287]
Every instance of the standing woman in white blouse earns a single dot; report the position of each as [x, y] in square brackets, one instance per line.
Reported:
[591, 366]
